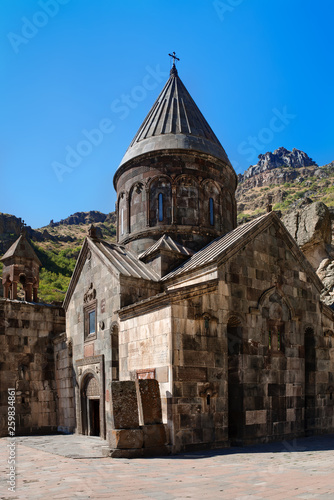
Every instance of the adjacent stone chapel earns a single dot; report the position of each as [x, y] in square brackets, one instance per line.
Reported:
[221, 324]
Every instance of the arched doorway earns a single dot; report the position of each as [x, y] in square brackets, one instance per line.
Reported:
[91, 411]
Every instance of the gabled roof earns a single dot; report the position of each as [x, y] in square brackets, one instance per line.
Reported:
[124, 261]
[115, 257]
[168, 244]
[21, 249]
[175, 122]
[228, 244]
[215, 248]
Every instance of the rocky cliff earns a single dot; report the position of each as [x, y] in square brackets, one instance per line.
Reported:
[311, 226]
[280, 158]
[91, 217]
[10, 227]
[287, 178]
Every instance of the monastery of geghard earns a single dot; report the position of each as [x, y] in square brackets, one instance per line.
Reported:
[188, 333]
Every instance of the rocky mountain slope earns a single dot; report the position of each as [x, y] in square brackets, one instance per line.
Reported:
[281, 157]
[285, 177]
[311, 226]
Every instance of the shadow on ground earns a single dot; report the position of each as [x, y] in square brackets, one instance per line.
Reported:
[78, 446]
[305, 444]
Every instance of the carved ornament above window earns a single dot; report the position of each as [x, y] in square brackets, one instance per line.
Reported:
[90, 294]
[138, 187]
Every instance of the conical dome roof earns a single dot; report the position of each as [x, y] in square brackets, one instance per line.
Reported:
[175, 122]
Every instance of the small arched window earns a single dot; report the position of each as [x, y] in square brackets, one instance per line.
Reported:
[211, 214]
[161, 207]
[23, 279]
[122, 221]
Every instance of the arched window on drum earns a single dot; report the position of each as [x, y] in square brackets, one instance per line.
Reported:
[210, 213]
[160, 201]
[122, 215]
[160, 207]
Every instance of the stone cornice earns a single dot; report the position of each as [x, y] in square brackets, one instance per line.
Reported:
[166, 298]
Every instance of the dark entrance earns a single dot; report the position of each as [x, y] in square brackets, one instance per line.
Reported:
[94, 417]
[90, 400]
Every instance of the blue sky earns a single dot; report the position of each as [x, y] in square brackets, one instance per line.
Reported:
[78, 77]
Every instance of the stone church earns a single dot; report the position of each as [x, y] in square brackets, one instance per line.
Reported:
[189, 332]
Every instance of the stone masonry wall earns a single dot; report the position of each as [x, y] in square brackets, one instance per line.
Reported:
[27, 364]
[320, 378]
[106, 288]
[199, 374]
[270, 298]
[99, 281]
[253, 362]
[64, 384]
[144, 349]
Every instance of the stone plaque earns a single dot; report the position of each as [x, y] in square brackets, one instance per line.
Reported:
[149, 401]
[88, 350]
[124, 407]
[103, 305]
[148, 373]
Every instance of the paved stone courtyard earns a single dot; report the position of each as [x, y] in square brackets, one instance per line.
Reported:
[67, 467]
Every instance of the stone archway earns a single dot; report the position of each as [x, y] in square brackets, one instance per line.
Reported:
[90, 406]
[90, 396]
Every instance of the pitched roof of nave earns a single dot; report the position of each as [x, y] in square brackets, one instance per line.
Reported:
[21, 249]
[175, 122]
[223, 247]
[115, 257]
[124, 261]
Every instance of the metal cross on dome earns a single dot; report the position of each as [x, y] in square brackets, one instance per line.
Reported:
[174, 58]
